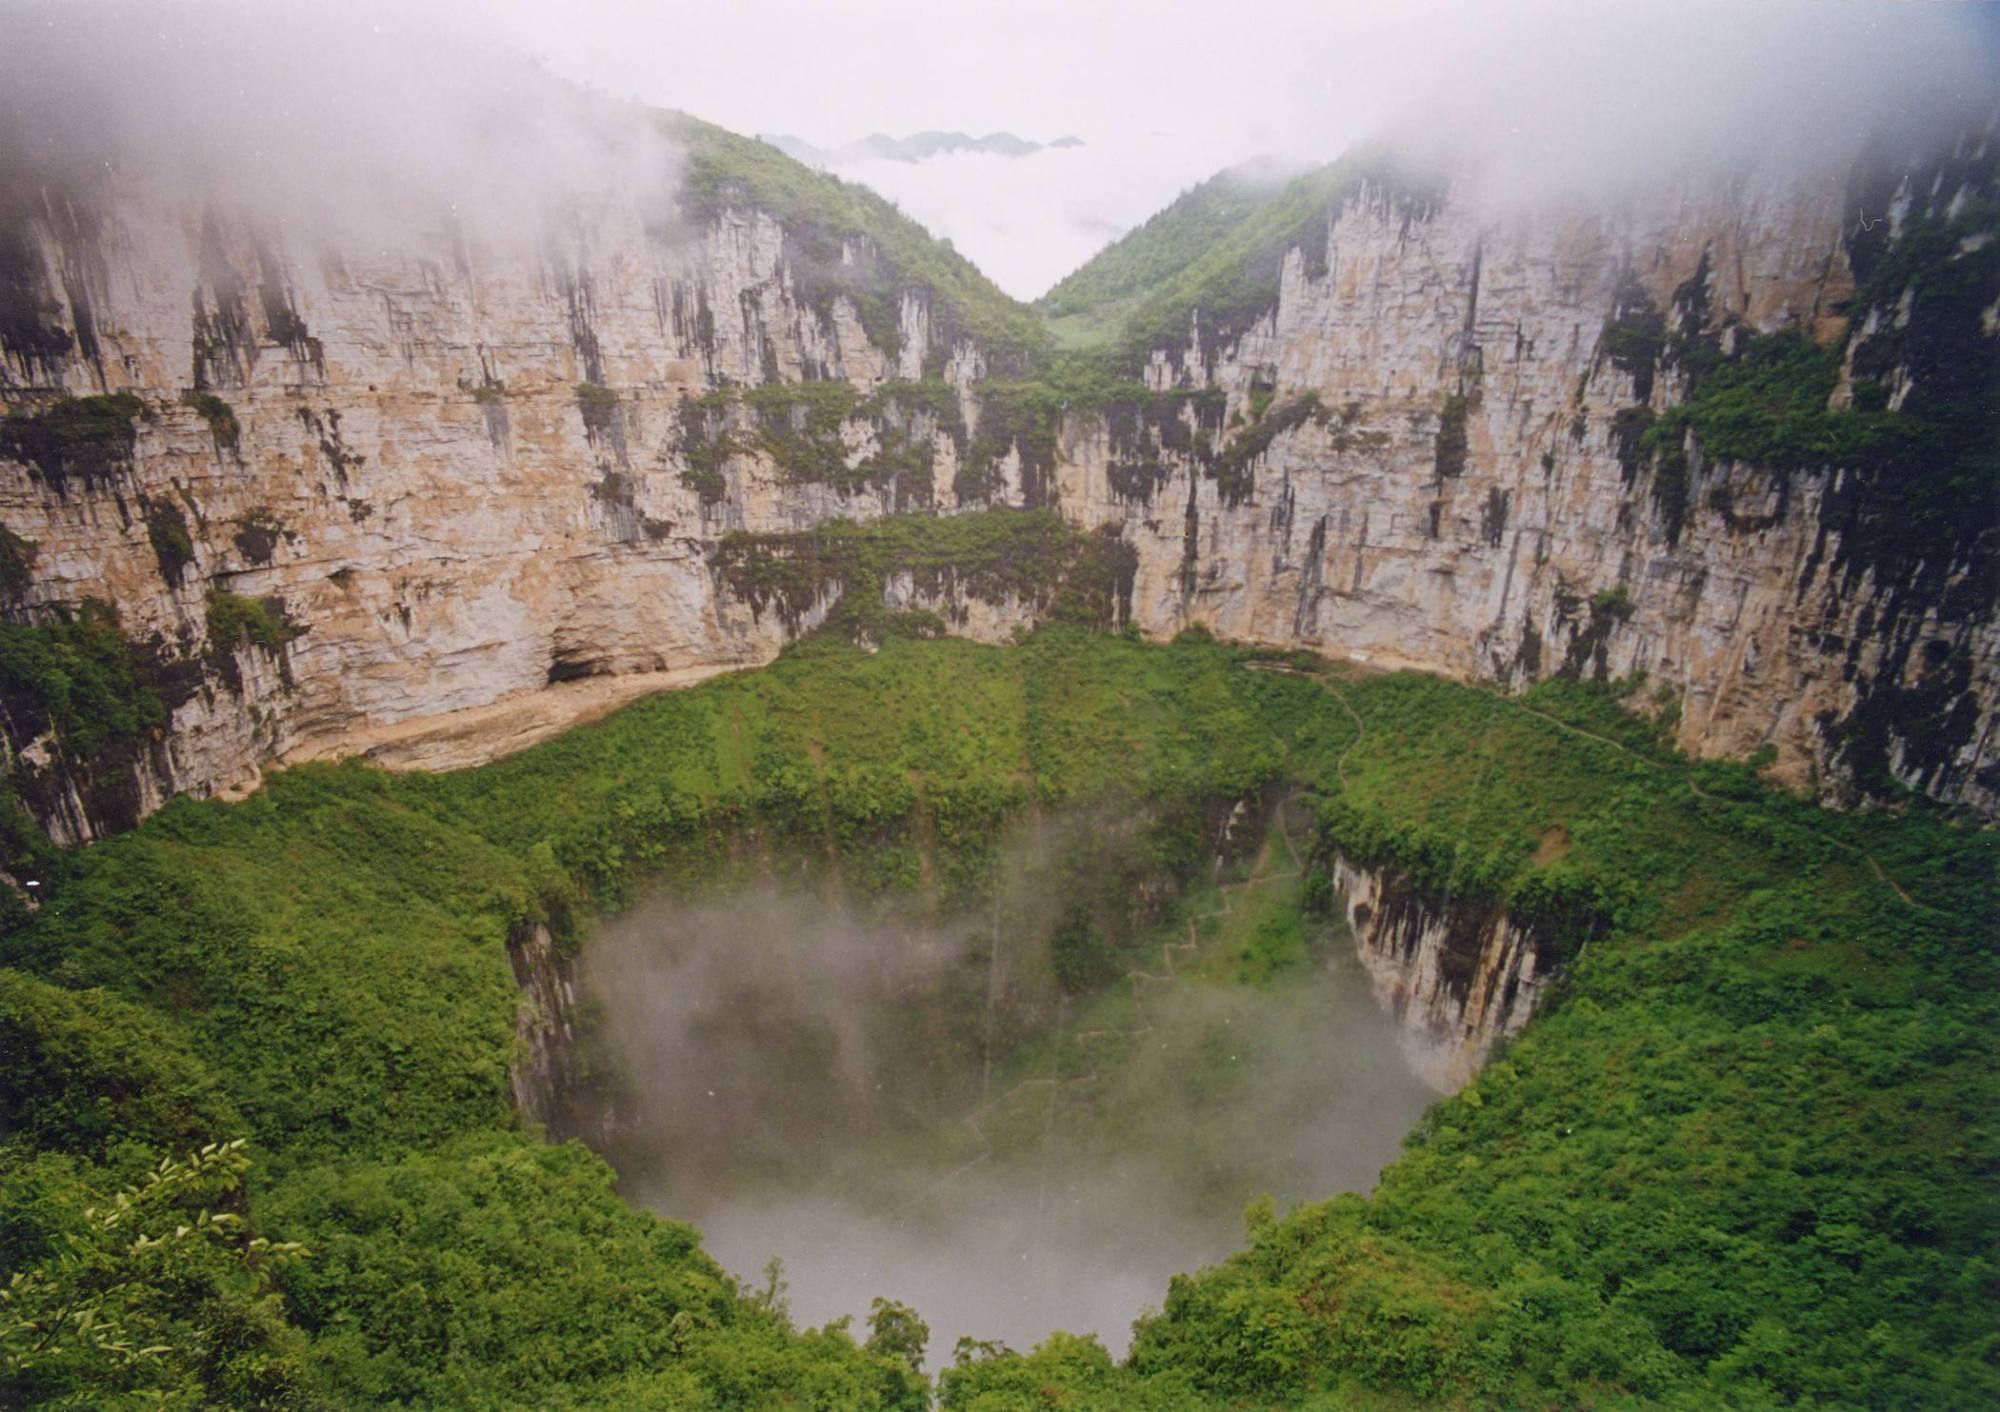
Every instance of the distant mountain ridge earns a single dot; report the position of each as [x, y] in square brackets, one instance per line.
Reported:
[879, 147]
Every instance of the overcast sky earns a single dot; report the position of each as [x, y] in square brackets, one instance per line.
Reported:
[1168, 91]
[293, 103]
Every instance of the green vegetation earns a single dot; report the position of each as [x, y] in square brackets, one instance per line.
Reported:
[1742, 1157]
[1029, 556]
[1615, 602]
[1449, 452]
[17, 563]
[221, 419]
[78, 677]
[101, 698]
[1087, 305]
[328, 967]
[1766, 1063]
[155, 1296]
[1218, 251]
[257, 535]
[167, 532]
[827, 221]
[802, 427]
[1023, 416]
[1232, 467]
[235, 621]
[88, 438]
[1218, 258]
[1921, 479]
[1745, 1155]
[1769, 406]
[1634, 336]
[598, 405]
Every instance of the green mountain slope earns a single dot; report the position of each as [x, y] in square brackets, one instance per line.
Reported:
[1218, 253]
[1090, 301]
[1744, 1156]
[820, 213]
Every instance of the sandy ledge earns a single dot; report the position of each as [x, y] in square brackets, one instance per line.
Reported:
[478, 735]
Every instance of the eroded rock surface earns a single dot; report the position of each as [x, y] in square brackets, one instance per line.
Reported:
[459, 473]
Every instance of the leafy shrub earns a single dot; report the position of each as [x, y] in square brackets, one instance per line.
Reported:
[223, 427]
[87, 438]
[17, 563]
[81, 678]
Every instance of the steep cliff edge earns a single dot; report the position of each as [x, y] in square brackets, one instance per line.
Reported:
[1459, 979]
[330, 490]
[1741, 438]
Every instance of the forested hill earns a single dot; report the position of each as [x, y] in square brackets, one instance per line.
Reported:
[823, 217]
[1742, 1158]
[1088, 302]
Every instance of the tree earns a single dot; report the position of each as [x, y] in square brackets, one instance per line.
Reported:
[156, 1295]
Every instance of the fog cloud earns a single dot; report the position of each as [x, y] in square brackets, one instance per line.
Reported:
[350, 122]
[334, 118]
[898, 1105]
[1552, 98]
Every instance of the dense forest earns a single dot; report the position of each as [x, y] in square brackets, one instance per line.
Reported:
[260, 1150]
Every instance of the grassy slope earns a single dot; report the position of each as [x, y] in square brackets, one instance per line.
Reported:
[820, 211]
[1214, 257]
[327, 964]
[1773, 1067]
[1087, 305]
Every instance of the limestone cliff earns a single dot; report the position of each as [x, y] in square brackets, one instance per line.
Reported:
[331, 490]
[545, 1024]
[1466, 491]
[1458, 978]
[450, 478]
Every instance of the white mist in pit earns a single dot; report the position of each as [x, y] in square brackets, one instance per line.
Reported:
[806, 1085]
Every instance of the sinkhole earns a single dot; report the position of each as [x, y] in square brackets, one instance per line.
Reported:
[1017, 1115]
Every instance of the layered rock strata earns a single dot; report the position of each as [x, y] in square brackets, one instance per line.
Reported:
[456, 472]
[1458, 978]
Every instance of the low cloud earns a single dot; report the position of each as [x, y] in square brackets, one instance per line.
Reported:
[898, 1104]
[351, 124]
[1545, 100]
[1028, 221]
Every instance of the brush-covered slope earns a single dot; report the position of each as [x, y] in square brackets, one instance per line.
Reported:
[1741, 1159]
[1089, 303]
[1214, 260]
[824, 218]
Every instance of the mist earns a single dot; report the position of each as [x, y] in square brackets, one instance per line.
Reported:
[1538, 100]
[896, 1104]
[355, 125]
[358, 122]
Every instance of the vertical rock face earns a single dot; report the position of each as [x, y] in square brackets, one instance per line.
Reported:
[545, 1024]
[1459, 978]
[452, 469]
[1467, 493]
[454, 472]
